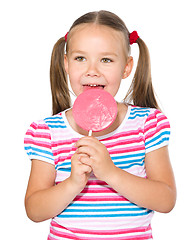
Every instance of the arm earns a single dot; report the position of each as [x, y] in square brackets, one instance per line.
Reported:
[43, 198]
[157, 192]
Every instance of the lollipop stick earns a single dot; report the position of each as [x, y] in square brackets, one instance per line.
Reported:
[90, 132]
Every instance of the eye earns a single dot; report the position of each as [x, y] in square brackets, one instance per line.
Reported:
[106, 60]
[80, 59]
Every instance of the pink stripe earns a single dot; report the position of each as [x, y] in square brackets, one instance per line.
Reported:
[113, 151]
[161, 117]
[151, 125]
[64, 142]
[106, 233]
[123, 134]
[127, 150]
[37, 143]
[113, 222]
[62, 159]
[158, 129]
[98, 190]
[150, 117]
[63, 235]
[154, 124]
[96, 182]
[157, 115]
[63, 150]
[126, 141]
[96, 198]
[39, 126]
[121, 142]
[38, 134]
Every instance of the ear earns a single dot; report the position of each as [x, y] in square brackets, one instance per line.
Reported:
[128, 67]
[66, 63]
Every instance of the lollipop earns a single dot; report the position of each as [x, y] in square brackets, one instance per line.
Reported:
[94, 110]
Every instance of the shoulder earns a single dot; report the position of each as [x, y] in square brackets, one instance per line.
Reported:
[146, 114]
[139, 112]
[44, 128]
[39, 137]
[50, 122]
[55, 121]
[142, 111]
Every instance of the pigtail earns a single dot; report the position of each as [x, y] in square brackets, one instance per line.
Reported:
[141, 91]
[58, 79]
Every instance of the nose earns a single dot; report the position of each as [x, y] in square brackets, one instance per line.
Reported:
[92, 70]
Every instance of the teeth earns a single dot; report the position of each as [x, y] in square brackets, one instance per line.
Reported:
[94, 85]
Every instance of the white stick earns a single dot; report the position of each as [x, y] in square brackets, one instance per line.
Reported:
[90, 132]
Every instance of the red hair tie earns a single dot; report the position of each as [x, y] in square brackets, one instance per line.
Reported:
[66, 36]
[133, 37]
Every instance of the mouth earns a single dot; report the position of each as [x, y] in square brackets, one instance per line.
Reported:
[93, 86]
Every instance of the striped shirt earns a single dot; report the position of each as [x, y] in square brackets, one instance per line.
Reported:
[99, 212]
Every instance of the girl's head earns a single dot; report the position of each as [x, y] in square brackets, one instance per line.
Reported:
[97, 53]
[96, 56]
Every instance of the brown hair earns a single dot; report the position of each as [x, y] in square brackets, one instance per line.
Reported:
[141, 91]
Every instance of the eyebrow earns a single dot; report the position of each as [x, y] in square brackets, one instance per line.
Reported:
[102, 53]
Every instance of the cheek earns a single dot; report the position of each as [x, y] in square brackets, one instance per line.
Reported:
[73, 72]
[77, 70]
[114, 80]
[115, 76]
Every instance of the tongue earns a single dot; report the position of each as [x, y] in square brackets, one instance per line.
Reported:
[92, 87]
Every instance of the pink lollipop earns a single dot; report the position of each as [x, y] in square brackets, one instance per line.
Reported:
[94, 110]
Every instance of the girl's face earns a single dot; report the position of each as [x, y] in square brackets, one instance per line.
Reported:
[97, 58]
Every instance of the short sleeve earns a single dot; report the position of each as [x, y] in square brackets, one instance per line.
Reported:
[156, 131]
[37, 142]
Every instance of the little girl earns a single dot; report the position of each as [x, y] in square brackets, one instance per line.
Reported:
[105, 186]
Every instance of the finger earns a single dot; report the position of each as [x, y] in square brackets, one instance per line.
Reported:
[87, 141]
[86, 150]
[87, 161]
[86, 169]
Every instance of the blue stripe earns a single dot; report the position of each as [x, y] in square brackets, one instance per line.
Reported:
[51, 118]
[129, 161]
[128, 156]
[105, 215]
[102, 204]
[104, 210]
[166, 139]
[158, 137]
[65, 163]
[68, 169]
[138, 115]
[131, 165]
[38, 150]
[55, 122]
[139, 111]
[38, 155]
[64, 169]
[57, 126]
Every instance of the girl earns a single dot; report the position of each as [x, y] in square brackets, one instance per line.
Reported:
[105, 186]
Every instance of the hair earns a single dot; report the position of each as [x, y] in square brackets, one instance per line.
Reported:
[141, 91]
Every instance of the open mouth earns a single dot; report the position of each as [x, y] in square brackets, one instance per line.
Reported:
[93, 86]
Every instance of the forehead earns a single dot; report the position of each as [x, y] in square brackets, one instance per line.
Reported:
[95, 35]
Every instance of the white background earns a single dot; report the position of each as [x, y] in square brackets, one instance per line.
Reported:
[29, 30]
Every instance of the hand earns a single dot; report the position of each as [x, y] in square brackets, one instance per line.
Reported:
[80, 172]
[96, 156]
